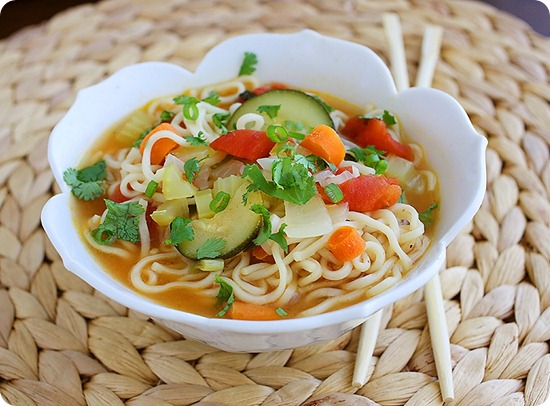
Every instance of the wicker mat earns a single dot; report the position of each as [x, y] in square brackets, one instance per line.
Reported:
[61, 343]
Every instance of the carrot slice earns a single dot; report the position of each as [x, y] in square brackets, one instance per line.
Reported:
[325, 142]
[251, 311]
[346, 244]
[370, 192]
[374, 131]
[161, 147]
[247, 144]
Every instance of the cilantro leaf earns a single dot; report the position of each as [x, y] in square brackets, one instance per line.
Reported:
[166, 115]
[265, 232]
[279, 238]
[121, 222]
[86, 183]
[213, 98]
[211, 248]
[191, 169]
[371, 157]
[225, 296]
[291, 182]
[180, 231]
[220, 120]
[426, 216]
[388, 118]
[271, 111]
[249, 63]
[196, 141]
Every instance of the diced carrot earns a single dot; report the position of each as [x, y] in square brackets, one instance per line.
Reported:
[370, 192]
[325, 142]
[345, 243]
[251, 311]
[246, 144]
[161, 147]
[374, 131]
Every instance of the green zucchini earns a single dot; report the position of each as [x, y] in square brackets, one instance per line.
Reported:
[236, 224]
[296, 107]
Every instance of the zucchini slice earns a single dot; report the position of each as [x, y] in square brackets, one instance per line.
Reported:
[296, 107]
[237, 225]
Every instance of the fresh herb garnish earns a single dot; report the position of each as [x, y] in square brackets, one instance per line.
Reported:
[265, 233]
[166, 115]
[291, 181]
[248, 65]
[121, 222]
[426, 216]
[225, 296]
[281, 312]
[334, 192]
[86, 183]
[371, 157]
[277, 133]
[191, 169]
[213, 98]
[180, 231]
[220, 121]
[211, 248]
[279, 237]
[386, 117]
[220, 202]
[189, 106]
[271, 111]
[196, 141]
[151, 189]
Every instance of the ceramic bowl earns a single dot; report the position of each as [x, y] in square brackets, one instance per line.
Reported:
[304, 59]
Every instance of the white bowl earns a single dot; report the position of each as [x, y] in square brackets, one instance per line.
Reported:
[308, 60]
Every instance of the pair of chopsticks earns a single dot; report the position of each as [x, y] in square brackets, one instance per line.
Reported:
[431, 45]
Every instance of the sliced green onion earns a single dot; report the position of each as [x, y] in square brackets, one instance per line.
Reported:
[220, 202]
[277, 133]
[191, 111]
[334, 192]
[103, 236]
[281, 312]
[210, 265]
[151, 189]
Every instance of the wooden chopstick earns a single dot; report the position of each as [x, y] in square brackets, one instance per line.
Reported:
[434, 298]
[439, 333]
[365, 349]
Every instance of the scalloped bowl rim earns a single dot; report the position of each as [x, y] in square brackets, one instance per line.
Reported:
[157, 79]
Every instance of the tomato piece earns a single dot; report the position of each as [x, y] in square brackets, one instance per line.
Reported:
[374, 131]
[267, 87]
[370, 192]
[246, 144]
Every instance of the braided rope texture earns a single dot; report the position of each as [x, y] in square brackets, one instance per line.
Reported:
[62, 343]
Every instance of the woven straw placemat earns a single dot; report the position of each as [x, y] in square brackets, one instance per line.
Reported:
[61, 343]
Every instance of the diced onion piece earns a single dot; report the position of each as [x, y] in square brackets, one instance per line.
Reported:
[136, 124]
[401, 169]
[169, 210]
[173, 184]
[210, 265]
[202, 200]
[228, 185]
[338, 212]
[309, 220]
